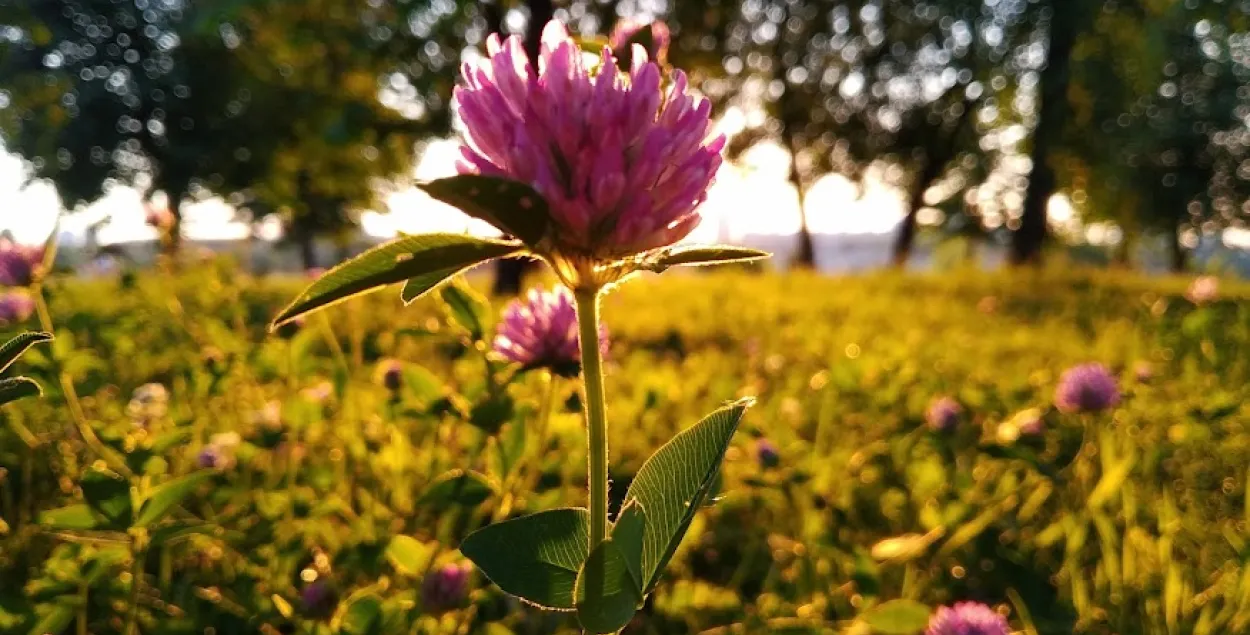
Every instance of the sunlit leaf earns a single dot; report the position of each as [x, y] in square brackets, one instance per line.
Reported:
[14, 388]
[673, 483]
[511, 207]
[535, 557]
[427, 258]
[897, 617]
[607, 594]
[166, 496]
[11, 350]
[699, 256]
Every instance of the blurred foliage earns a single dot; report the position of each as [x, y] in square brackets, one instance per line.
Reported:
[343, 495]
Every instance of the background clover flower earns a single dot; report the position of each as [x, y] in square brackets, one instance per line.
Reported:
[390, 374]
[622, 162]
[1086, 388]
[445, 587]
[19, 265]
[15, 308]
[766, 454]
[654, 37]
[1203, 290]
[540, 331]
[943, 414]
[967, 618]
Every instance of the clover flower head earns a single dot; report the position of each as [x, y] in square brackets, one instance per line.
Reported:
[967, 618]
[943, 414]
[623, 160]
[540, 331]
[1086, 388]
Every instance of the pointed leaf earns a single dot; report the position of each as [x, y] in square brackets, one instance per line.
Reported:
[510, 206]
[109, 495]
[703, 255]
[628, 534]
[606, 595]
[361, 614]
[467, 308]
[897, 617]
[54, 620]
[431, 258]
[14, 348]
[458, 487]
[169, 495]
[408, 555]
[673, 483]
[72, 517]
[535, 557]
[14, 388]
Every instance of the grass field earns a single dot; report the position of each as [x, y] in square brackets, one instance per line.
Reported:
[340, 508]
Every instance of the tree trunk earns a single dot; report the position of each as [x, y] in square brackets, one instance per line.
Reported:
[510, 272]
[1027, 241]
[906, 237]
[1123, 257]
[1179, 257]
[307, 250]
[805, 256]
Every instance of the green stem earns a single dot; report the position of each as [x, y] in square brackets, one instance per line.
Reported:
[596, 415]
[136, 574]
[83, 597]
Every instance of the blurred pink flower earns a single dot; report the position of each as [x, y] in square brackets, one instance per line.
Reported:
[654, 37]
[622, 162]
[15, 308]
[540, 331]
[1086, 388]
[1203, 290]
[19, 265]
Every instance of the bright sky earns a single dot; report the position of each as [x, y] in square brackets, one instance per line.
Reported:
[752, 197]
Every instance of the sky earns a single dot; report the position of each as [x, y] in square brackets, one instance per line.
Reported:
[752, 197]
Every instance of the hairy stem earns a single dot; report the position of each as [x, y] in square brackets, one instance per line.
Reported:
[596, 415]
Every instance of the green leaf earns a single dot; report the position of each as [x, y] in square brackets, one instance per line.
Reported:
[408, 555]
[897, 617]
[458, 487]
[628, 534]
[427, 258]
[14, 348]
[491, 413]
[510, 206]
[673, 483]
[72, 517]
[511, 446]
[166, 496]
[703, 255]
[467, 308]
[108, 494]
[14, 388]
[607, 594]
[54, 620]
[361, 615]
[535, 557]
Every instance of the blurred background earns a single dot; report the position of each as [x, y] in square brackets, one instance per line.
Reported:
[864, 133]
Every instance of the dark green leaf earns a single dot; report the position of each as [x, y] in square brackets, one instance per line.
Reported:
[535, 557]
[166, 496]
[628, 534]
[698, 256]
[72, 517]
[429, 258]
[14, 348]
[174, 533]
[467, 308]
[14, 388]
[607, 595]
[511, 207]
[458, 487]
[54, 620]
[491, 413]
[897, 617]
[109, 495]
[673, 483]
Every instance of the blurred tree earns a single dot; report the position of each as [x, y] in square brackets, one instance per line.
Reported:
[100, 93]
[1159, 131]
[1060, 24]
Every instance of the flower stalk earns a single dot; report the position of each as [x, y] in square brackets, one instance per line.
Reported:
[596, 414]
